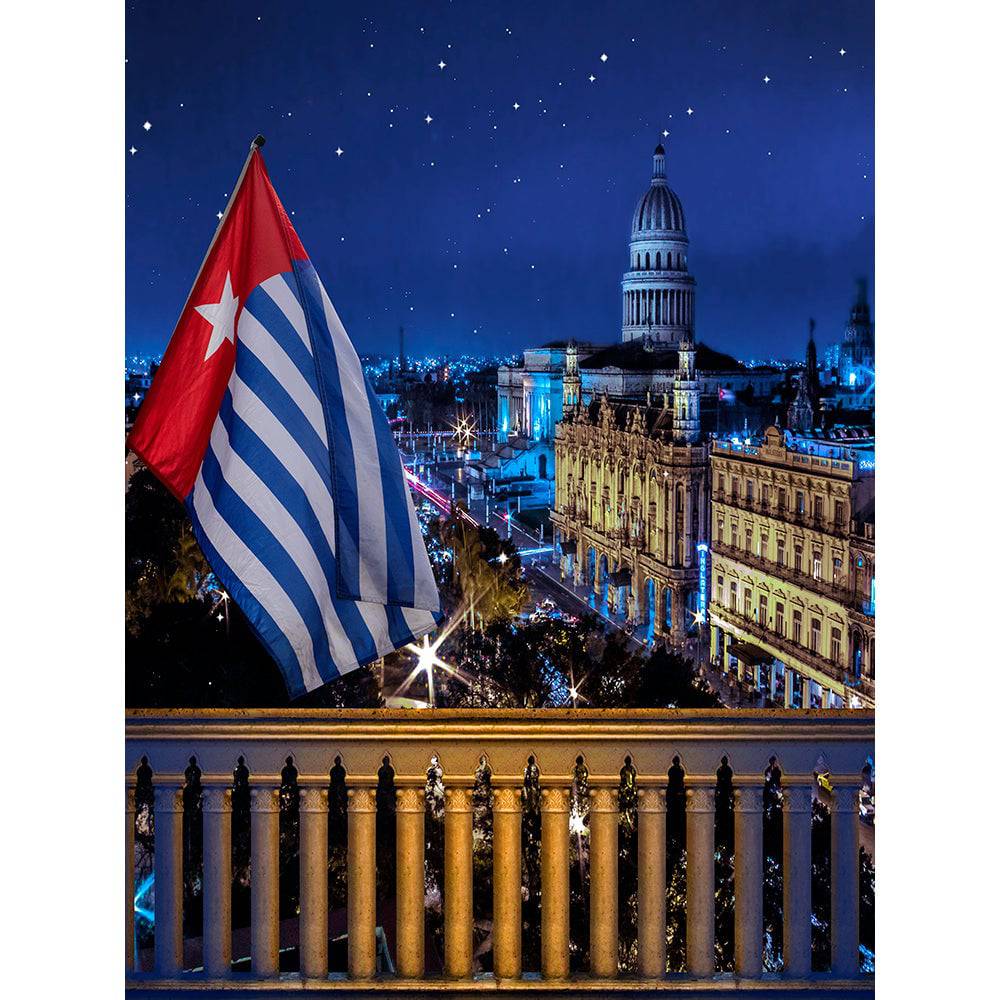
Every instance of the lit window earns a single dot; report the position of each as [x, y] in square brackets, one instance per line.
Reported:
[814, 630]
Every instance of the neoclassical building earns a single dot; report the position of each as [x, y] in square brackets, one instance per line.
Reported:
[631, 507]
[793, 566]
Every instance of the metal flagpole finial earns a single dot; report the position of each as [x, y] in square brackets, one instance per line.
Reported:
[258, 142]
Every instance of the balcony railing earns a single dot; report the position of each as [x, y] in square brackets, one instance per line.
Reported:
[807, 581]
[360, 741]
[788, 646]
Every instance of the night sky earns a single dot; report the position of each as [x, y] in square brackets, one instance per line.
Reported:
[492, 227]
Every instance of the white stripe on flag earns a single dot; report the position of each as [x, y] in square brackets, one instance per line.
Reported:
[256, 415]
[256, 577]
[255, 494]
[284, 298]
[256, 338]
[372, 556]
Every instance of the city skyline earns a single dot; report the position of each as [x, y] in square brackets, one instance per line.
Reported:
[492, 227]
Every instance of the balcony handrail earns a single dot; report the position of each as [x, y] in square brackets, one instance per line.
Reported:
[359, 740]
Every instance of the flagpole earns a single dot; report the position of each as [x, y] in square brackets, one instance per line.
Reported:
[258, 141]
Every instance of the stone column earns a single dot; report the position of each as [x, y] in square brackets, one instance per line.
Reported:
[168, 863]
[797, 877]
[457, 882]
[688, 526]
[217, 914]
[264, 881]
[678, 614]
[130, 877]
[361, 882]
[555, 883]
[700, 819]
[604, 882]
[844, 880]
[652, 882]
[790, 680]
[411, 806]
[825, 697]
[806, 692]
[669, 519]
[749, 843]
[314, 817]
[507, 882]
[657, 609]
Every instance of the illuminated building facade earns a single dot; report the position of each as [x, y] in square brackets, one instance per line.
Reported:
[631, 502]
[792, 609]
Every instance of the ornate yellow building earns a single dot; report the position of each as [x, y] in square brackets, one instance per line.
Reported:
[793, 567]
[631, 501]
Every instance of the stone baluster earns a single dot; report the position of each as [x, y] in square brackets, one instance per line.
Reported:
[749, 847]
[411, 805]
[457, 881]
[264, 938]
[507, 881]
[314, 820]
[652, 901]
[361, 881]
[217, 865]
[555, 882]
[168, 864]
[700, 822]
[603, 882]
[844, 878]
[797, 876]
[130, 877]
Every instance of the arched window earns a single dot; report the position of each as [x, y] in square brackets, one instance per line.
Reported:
[657, 260]
[647, 261]
[669, 264]
[638, 263]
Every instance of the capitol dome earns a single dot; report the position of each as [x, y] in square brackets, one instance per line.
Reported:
[659, 209]
[657, 289]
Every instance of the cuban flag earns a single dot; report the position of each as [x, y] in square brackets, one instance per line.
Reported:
[261, 421]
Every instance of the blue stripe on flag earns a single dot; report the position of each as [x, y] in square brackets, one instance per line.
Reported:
[346, 498]
[275, 397]
[264, 309]
[258, 538]
[292, 497]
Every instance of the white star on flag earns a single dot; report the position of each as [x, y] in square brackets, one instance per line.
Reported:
[222, 316]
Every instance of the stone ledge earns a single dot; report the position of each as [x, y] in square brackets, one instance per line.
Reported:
[720, 987]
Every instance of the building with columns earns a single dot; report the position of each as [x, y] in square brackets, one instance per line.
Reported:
[792, 608]
[631, 505]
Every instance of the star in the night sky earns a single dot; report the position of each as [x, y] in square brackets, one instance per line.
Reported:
[133, 150]
[147, 125]
[591, 78]
[665, 133]
[843, 52]
[222, 316]
[218, 215]
[339, 151]
[516, 105]
[604, 57]
[428, 119]
[767, 79]
[442, 64]
[690, 111]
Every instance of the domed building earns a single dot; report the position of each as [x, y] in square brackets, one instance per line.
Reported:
[657, 290]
